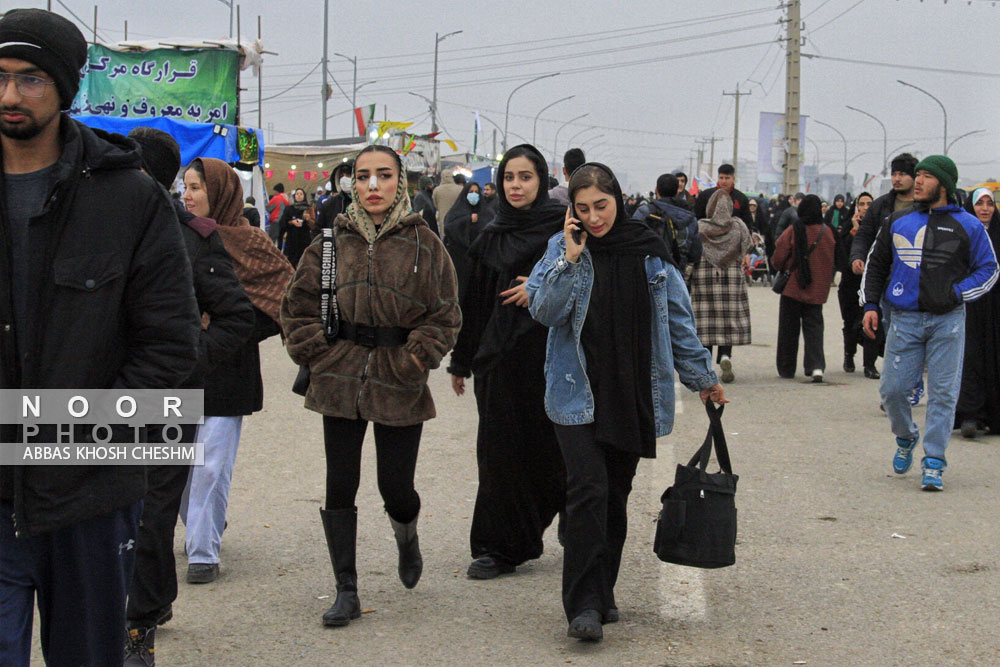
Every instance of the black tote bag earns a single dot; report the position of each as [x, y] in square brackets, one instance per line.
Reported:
[697, 525]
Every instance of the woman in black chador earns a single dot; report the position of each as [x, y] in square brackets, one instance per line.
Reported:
[522, 481]
[979, 399]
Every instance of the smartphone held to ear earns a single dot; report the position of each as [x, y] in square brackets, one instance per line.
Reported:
[577, 233]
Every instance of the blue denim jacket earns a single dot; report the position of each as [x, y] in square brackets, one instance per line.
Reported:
[560, 296]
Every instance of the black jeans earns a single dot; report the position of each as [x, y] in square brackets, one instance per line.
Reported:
[724, 351]
[793, 315]
[396, 452]
[851, 313]
[598, 482]
[154, 581]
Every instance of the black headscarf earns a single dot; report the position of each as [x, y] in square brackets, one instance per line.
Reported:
[458, 225]
[810, 213]
[519, 236]
[617, 337]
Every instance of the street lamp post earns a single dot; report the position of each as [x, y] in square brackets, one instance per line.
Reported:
[506, 119]
[434, 104]
[583, 131]
[593, 138]
[534, 129]
[940, 104]
[885, 138]
[354, 89]
[845, 147]
[555, 144]
[228, 3]
[967, 134]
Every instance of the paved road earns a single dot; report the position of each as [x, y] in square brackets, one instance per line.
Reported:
[840, 562]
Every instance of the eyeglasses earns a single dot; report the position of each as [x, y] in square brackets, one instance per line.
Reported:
[27, 85]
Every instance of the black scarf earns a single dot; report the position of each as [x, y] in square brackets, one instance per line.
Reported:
[617, 336]
[517, 237]
[810, 213]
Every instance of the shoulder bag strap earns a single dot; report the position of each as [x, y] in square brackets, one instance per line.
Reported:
[328, 308]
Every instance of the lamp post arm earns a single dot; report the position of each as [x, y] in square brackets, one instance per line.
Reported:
[534, 128]
[506, 120]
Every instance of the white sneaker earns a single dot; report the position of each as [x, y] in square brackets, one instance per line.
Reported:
[726, 364]
[817, 375]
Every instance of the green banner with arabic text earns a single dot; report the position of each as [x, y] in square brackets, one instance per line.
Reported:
[192, 84]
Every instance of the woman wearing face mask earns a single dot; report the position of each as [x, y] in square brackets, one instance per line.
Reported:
[847, 292]
[521, 475]
[462, 225]
[399, 315]
[337, 203]
[234, 388]
[295, 226]
[979, 398]
[621, 324]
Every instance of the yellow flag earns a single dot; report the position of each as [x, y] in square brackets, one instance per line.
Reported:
[389, 125]
[451, 145]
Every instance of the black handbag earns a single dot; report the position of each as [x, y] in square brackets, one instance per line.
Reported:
[781, 277]
[697, 525]
[327, 304]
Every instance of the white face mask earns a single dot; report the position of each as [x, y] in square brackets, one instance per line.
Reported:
[345, 183]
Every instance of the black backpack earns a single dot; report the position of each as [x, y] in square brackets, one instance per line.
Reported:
[661, 222]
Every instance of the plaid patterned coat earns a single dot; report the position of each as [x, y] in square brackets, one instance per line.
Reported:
[720, 303]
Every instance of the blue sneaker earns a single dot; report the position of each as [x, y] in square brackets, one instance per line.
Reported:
[903, 458]
[917, 393]
[933, 468]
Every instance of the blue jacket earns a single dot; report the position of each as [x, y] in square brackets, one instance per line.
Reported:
[930, 260]
[560, 296]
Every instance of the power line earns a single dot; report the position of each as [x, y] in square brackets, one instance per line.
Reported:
[836, 17]
[991, 75]
[294, 85]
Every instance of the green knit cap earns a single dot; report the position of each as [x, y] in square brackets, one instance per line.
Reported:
[943, 169]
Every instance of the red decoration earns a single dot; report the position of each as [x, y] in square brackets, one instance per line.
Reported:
[291, 175]
[269, 174]
[309, 175]
[326, 174]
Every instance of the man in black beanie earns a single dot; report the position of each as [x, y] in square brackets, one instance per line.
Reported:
[901, 196]
[76, 312]
[154, 582]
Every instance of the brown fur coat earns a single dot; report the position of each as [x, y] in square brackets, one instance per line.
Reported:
[411, 284]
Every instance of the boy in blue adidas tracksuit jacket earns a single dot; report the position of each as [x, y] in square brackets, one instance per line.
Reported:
[927, 261]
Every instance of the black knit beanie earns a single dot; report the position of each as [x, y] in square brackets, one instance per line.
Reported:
[49, 41]
[160, 154]
[905, 163]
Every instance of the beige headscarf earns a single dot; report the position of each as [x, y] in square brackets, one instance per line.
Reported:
[725, 239]
[263, 271]
[362, 221]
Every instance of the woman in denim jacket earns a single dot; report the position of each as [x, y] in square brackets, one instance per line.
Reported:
[620, 322]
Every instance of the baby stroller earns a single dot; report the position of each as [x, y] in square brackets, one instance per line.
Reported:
[759, 268]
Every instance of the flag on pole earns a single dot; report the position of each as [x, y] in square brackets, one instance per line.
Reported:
[364, 116]
[389, 125]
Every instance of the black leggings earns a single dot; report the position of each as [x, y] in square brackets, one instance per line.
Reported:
[396, 453]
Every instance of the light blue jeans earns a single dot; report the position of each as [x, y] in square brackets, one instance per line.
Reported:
[203, 507]
[913, 339]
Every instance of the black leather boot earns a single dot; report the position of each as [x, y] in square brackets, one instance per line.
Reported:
[411, 563]
[341, 528]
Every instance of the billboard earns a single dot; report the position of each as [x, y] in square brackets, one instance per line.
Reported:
[771, 147]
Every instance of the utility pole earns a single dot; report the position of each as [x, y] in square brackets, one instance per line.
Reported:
[793, 43]
[434, 104]
[711, 155]
[701, 156]
[494, 155]
[736, 129]
[260, 84]
[326, 41]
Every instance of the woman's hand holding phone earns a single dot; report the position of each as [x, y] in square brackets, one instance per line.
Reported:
[576, 237]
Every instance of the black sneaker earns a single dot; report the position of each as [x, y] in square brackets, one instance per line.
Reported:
[849, 363]
[202, 573]
[139, 651]
[872, 373]
[969, 428]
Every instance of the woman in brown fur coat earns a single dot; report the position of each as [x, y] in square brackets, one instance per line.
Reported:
[398, 316]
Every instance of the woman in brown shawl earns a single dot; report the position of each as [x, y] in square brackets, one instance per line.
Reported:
[234, 388]
[718, 285]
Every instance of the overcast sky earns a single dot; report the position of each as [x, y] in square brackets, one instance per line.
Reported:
[649, 73]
